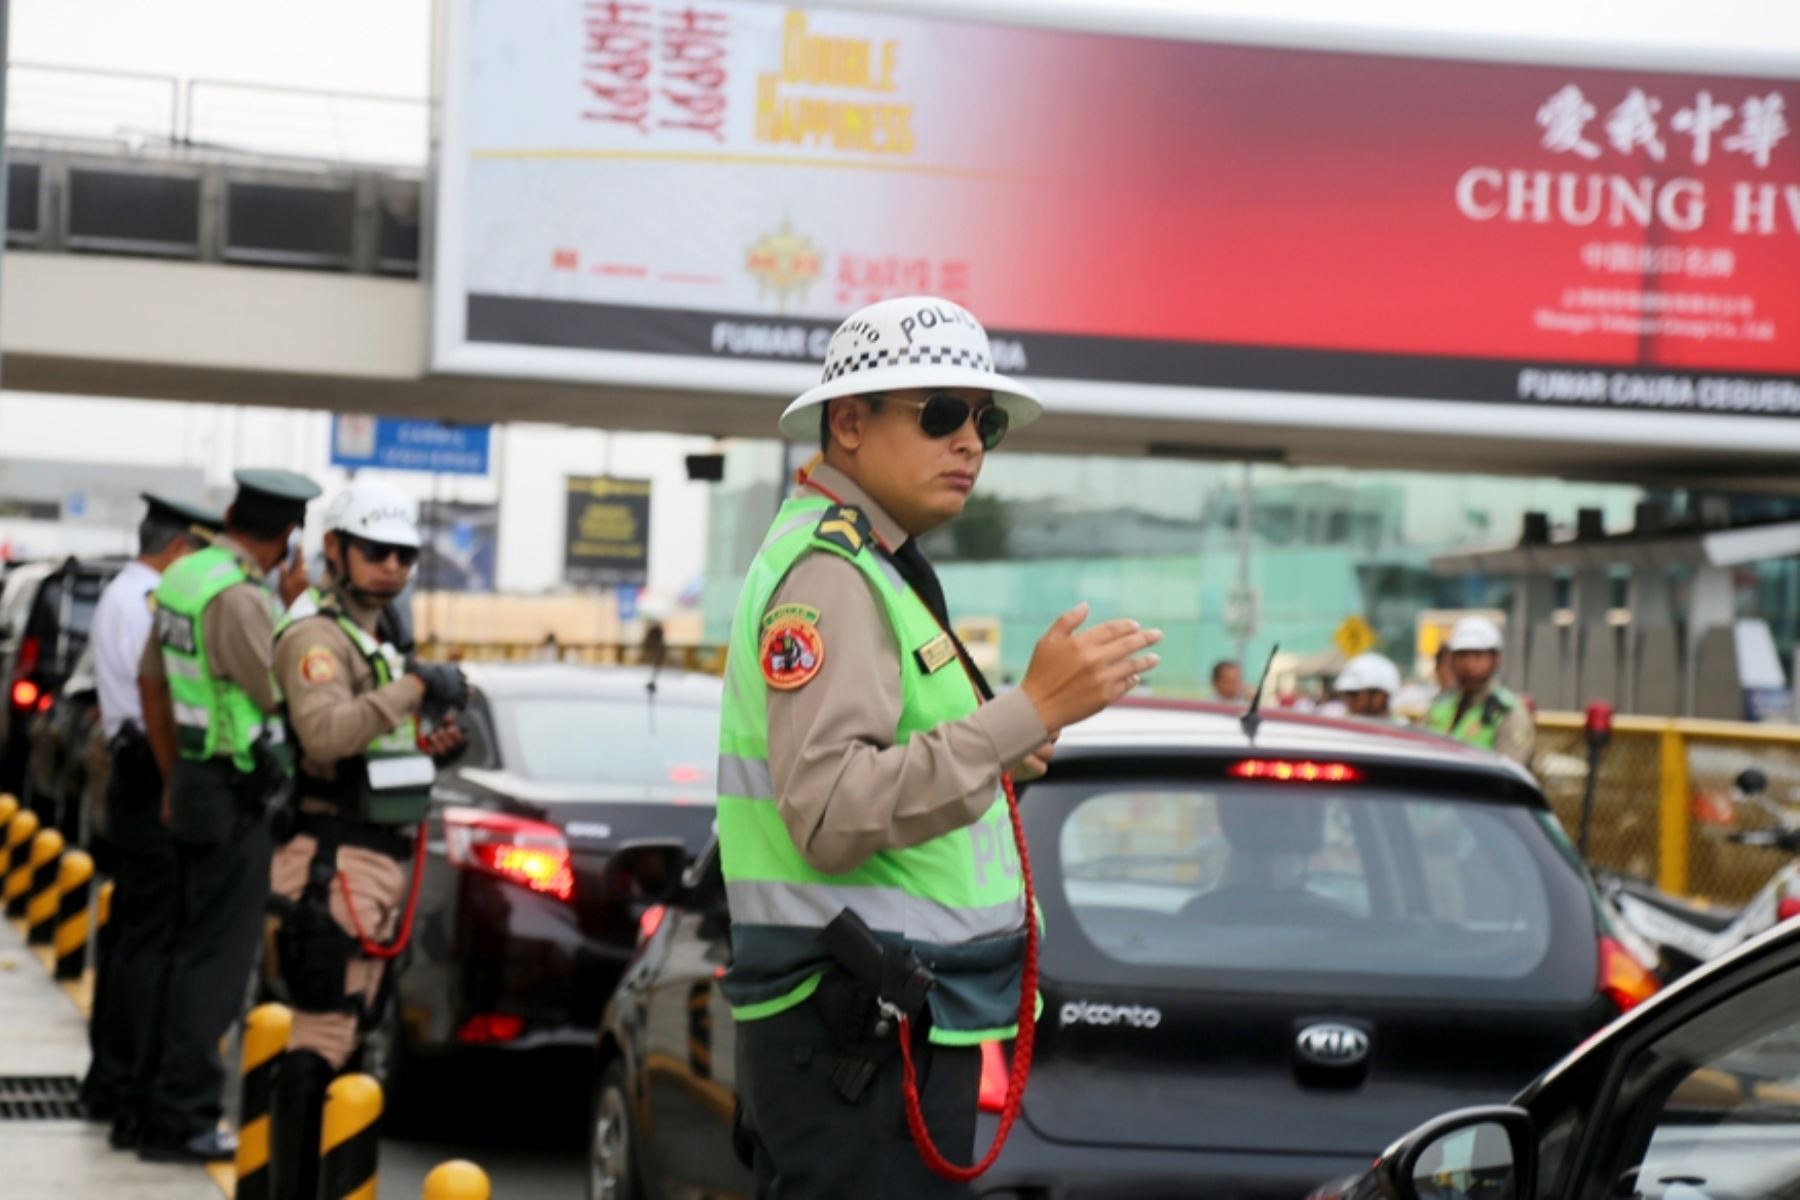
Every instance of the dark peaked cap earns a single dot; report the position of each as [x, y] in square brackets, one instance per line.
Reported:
[194, 519]
[282, 495]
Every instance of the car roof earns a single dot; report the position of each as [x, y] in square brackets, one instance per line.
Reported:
[1141, 726]
[578, 680]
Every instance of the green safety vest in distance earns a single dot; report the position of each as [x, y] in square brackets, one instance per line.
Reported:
[213, 717]
[1480, 726]
[392, 778]
[957, 900]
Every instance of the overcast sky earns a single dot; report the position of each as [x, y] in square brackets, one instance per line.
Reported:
[383, 45]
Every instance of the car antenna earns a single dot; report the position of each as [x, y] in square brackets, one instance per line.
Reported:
[1252, 718]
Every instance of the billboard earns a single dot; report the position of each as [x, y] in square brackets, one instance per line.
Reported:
[462, 546]
[607, 542]
[690, 195]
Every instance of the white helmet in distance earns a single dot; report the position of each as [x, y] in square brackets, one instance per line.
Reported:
[909, 342]
[1369, 673]
[375, 512]
[1475, 633]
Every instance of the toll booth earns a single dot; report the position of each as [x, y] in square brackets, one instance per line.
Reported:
[1671, 644]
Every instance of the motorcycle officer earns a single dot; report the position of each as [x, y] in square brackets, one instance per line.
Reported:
[340, 878]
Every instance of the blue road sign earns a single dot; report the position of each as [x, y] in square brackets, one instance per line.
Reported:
[396, 445]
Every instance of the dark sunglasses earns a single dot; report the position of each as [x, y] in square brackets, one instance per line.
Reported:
[379, 552]
[942, 414]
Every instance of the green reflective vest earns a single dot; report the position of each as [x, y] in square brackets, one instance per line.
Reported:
[1480, 725]
[392, 780]
[958, 899]
[213, 717]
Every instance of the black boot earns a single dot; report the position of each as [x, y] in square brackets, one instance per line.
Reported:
[295, 1112]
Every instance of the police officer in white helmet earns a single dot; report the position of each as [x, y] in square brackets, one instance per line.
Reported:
[1479, 710]
[341, 878]
[1368, 684]
[861, 771]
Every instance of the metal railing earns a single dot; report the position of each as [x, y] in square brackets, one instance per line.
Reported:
[140, 109]
[707, 659]
[1662, 798]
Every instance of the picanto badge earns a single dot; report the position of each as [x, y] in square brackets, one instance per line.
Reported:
[792, 649]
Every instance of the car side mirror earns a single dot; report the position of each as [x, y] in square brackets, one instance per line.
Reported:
[1485, 1153]
[640, 874]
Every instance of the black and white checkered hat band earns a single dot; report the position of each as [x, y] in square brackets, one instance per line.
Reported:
[895, 356]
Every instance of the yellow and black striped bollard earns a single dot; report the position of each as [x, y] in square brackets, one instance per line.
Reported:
[266, 1032]
[19, 833]
[348, 1148]
[458, 1179]
[74, 882]
[9, 805]
[40, 909]
[106, 891]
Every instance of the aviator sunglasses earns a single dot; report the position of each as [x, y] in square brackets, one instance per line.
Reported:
[379, 552]
[942, 414]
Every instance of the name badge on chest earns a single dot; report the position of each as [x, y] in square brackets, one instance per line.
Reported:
[936, 654]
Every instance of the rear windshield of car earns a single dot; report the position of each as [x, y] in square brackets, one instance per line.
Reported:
[1315, 881]
[566, 739]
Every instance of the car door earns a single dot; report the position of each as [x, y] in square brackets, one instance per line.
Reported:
[689, 1050]
[1704, 1104]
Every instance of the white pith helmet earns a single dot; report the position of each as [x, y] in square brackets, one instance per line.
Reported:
[908, 342]
[1369, 673]
[375, 512]
[1475, 633]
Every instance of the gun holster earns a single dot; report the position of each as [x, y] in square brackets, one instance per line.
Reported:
[861, 1002]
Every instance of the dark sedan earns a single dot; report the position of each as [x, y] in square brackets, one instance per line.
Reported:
[1694, 1096]
[1265, 956]
[524, 923]
[46, 610]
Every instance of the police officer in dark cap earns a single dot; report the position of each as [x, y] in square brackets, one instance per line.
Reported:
[130, 838]
[212, 712]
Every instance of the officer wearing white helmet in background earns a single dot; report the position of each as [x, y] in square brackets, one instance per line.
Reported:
[861, 771]
[1479, 711]
[1368, 684]
[342, 872]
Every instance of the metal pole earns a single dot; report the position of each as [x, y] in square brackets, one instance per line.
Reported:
[1587, 797]
[5, 63]
[1243, 532]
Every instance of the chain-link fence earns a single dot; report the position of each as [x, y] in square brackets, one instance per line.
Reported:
[1662, 798]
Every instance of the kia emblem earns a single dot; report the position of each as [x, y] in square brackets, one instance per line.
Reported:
[1332, 1044]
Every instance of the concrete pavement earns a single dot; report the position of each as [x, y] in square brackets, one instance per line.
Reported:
[43, 1033]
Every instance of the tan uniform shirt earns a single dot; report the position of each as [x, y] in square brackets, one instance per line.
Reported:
[845, 789]
[238, 628]
[1517, 734]
[334, 705]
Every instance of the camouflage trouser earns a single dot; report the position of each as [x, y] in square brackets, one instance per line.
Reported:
[377, 885]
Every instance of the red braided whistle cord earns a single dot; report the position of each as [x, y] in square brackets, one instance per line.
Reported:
[1021, 1063]
[370, 947]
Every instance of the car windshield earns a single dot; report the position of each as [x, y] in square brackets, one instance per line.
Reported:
[1227, 876]
[635, 742]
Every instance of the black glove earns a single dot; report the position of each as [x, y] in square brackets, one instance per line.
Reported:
[445, 685]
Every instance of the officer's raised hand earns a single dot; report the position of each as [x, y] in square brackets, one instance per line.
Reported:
[1075, 672]
[294, 578]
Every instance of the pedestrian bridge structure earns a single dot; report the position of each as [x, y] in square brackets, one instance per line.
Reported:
[186, 275]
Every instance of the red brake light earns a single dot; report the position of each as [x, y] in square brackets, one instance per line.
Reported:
[1292, 771]
[485, 1028]
[1788, 908]
[650, 922]
[529, 853]
[29, 652]
[25, 693]
[685, 774]
[45, 701]
[992, 1097]
[1622, 979]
